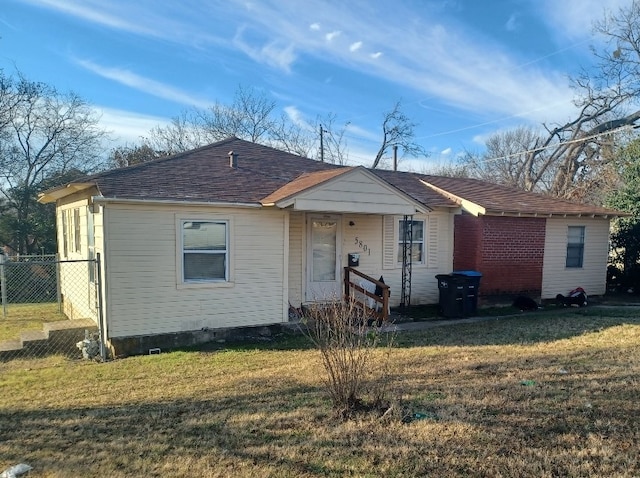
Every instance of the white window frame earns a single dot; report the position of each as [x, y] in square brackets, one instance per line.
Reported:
[91, 244]
[399, 240]
[77, 233]
[199, 283]
[65, 233]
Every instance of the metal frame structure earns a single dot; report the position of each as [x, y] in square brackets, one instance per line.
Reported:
[407, 243]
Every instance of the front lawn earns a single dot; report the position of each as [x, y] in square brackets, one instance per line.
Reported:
[533, 396]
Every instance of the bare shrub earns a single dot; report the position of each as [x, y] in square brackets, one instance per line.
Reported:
[354, 356]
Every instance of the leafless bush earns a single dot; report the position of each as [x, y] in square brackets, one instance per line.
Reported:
[354, 355]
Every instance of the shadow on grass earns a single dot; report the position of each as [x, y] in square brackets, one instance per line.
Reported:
[285, 429]
[151, 438]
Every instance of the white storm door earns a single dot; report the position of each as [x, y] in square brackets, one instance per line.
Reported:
[324, 275]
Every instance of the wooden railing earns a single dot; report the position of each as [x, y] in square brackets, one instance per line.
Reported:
[356, 281]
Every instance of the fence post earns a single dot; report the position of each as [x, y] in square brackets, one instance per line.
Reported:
[3, 285]
[58, 284]
[101, 327]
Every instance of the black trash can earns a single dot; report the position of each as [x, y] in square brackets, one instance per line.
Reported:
[471, 289]
[452, 295]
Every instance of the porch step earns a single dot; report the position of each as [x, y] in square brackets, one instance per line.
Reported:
[58, 337]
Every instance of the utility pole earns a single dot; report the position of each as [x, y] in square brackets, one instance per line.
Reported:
[321, 144]
[395, 157]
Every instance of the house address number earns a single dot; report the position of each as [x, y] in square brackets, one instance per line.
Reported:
[365, 248]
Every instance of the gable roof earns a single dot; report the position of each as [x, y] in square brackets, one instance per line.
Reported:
[348, 189]
[204, 175]
[485, 198]
[302, 183]
[265, 175]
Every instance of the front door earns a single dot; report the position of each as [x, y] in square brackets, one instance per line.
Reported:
[324, 278]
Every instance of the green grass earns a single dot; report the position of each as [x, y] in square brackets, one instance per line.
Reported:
[535, 395]
[27, 317]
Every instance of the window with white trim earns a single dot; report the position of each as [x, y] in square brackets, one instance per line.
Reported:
[575, 246]
[76, 229]
[205, 251]
[417, 252]
[91, 245]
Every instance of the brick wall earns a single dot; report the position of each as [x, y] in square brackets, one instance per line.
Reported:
[467, 242]
[508, 251]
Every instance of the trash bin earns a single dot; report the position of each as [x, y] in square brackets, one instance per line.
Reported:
[471, 289]
[452, 295]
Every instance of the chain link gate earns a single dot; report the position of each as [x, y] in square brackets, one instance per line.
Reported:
[50, 307]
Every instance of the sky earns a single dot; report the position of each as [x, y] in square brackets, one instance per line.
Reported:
[462, 69]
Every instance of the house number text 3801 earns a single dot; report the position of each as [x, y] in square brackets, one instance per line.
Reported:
[362, 245]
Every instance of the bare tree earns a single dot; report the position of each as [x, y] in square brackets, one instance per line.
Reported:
[44, 132]
[574, 159]
[128, 155]
[505, 159]
[249, 117]
[252, 117]
[184, 133]
[398, 129]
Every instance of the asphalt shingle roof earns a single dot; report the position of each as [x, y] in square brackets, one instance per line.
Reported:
[498, 199]
[265, 175]
[204, 174]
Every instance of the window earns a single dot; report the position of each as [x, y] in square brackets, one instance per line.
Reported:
[417, 243]
[575, 246]
[76, 229]
[91, 245]
[205, 251]
[65, 234]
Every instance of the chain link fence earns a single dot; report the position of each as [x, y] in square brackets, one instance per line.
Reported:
[49, 307]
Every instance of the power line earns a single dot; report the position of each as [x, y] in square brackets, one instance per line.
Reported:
[555, 145]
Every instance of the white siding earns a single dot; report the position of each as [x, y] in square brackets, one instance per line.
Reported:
[296, 258]
[558, 279]
[373, 231]
[78, 294]
[355, 192]
[145, 295]
[438, 258]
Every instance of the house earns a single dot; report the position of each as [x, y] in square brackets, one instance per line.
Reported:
[230, 234]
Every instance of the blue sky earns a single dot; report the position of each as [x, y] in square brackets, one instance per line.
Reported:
[462, 68]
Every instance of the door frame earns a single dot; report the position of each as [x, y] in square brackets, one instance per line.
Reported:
[328, 290]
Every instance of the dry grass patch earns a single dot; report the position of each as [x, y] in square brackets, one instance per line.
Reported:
[532, 396]
[27, 317]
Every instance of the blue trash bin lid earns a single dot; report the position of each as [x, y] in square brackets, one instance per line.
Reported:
[468, 273]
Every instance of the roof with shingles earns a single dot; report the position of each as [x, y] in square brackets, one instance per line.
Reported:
[499, 199]
[265, 175]
[204, 174]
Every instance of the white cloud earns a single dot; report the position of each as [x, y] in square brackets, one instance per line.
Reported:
[140, 83]
[276, 53]
[512, 23]
[296, 116]
[157, 20]
[331, 35]
[574, 19]
[424, 49]
[445, 152]
[126, 127]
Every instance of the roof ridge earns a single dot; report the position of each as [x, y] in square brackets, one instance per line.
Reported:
[162, 159]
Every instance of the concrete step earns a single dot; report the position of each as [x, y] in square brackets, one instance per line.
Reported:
[58, 337]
